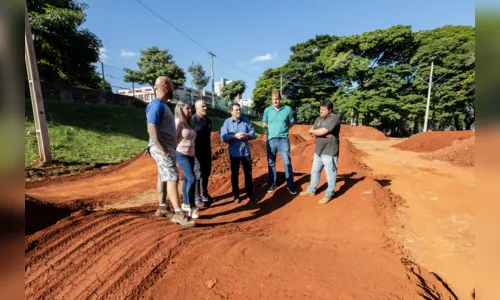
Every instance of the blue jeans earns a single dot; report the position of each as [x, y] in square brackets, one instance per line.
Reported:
[283, 147]
[186, 163]
[330, 163]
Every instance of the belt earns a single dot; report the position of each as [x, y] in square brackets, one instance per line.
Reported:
[279, 138]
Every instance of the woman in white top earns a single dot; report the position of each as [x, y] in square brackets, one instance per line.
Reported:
[185, 156]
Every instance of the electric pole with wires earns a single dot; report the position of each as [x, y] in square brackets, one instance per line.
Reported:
[42, 133]
[428, 98]
[212, 76]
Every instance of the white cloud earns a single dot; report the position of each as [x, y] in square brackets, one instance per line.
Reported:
[265, 57]
[126, 53]
[103, 56]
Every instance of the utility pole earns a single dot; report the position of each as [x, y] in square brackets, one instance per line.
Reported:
[42, 133]
[133, 89]
[428, 98]
[103, 80]
[212, 75]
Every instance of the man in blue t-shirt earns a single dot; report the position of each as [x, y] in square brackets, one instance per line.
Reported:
[162, 144]
[278, 119]
[236, 131]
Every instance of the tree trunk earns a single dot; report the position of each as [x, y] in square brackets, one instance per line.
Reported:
[415, 125]
[458, 125]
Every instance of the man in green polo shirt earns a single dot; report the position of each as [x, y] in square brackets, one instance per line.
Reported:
[278, 119]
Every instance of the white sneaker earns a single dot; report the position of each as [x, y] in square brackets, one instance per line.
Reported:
[193, 213]
[185, 207]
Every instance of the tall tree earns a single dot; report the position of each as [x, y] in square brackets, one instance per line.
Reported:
[153, 63]
[304, 77]
[452, 50]
[65, 52]
[269, 81]
[235, 88]
[380, 78]
[199, 76]
[374, 72]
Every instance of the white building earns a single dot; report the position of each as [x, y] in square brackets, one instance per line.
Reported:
[220, 84]
[246, 106]
[182, 93]
[146, 94]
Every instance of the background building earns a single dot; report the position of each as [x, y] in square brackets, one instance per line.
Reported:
[220, 84]
[182, 93]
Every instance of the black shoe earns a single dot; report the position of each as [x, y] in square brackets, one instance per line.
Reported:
[271, 188]
[292, 190]
[253, 199]
[207, 199]
[237, 200]
[208, 203]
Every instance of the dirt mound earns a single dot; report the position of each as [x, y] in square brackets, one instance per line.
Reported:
[302, 148]
[56, 169]
[433, 140]
[302, 131]
[95, 188]
[296, 139]
[44, 175]
[39, 215]
[461, 153]
[361, 132]
[220, 157]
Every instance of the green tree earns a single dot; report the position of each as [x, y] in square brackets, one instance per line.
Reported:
[235, 88]
[153, 63]
[304, 77]
[373, 69]
[453, 96]
[307, 113]
[267, 83]
[199, 78]
[199, 75]
[380, 78]
[65, 52]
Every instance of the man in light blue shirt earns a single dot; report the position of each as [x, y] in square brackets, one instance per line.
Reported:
[236, 131]
[277, 120]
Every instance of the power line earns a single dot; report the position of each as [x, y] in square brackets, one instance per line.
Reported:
[114, 67]
[191, 39]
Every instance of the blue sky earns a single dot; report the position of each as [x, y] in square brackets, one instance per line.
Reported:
[252, 35]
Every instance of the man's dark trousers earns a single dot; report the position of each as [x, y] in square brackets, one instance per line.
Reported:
[246, 162]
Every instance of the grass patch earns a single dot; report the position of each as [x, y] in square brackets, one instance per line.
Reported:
[94, 133]
[88, 133]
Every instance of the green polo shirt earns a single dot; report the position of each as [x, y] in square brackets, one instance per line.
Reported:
[278, 121]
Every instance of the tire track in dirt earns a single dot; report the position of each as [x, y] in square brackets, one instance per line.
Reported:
[93, 250]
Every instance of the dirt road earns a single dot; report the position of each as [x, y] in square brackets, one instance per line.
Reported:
[283, 247]
[438, 215]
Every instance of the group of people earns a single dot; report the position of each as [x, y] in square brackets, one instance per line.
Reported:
[184, 138]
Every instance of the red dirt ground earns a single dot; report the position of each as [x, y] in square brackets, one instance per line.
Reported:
[362, 132]
[433, 140]
[285, 246]
[460, 153]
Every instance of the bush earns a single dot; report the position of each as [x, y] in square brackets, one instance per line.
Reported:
[307, 113]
